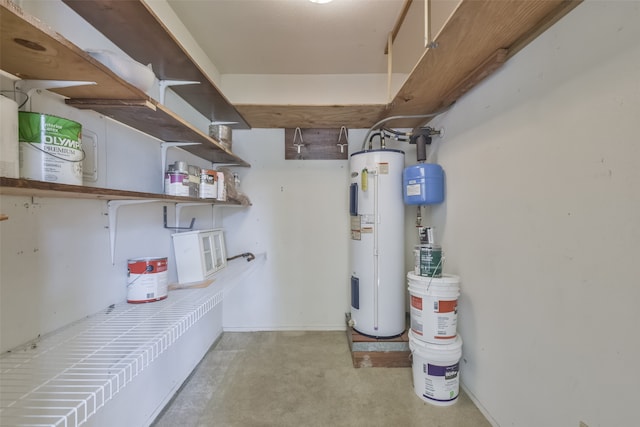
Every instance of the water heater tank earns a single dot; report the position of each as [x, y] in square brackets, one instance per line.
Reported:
[377, 243]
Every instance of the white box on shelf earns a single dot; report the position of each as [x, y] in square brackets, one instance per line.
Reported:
[199, 254]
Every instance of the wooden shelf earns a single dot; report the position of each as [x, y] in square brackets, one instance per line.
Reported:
[135, 29]
[31, 50]
[478, 38]
[156, 120]
[27, 187]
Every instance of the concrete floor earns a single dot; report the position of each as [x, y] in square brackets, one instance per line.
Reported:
[302, 379]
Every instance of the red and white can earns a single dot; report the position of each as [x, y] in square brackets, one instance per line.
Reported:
[147, 280]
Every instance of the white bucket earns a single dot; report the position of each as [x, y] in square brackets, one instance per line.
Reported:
[434, 307]
[50, 148]
[9, 158]
[435, 369]
[147, 280]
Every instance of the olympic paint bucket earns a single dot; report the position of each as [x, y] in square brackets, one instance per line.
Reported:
[50, 148]
[435, 368]
[147, 280]
[428, 260]
[434, 307]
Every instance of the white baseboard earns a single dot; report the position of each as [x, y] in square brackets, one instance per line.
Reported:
[479, 405]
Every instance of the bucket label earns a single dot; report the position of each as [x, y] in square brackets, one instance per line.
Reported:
[441, 382]
[147, 281]
[176, 184]
[433, 318]
[50, 148]
[430, 262]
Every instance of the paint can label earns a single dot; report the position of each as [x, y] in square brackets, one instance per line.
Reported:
[176, 184]
[50, 148]
[147, 280]
[441, 382]
[430, 261]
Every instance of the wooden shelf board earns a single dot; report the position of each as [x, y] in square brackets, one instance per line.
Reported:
[41, 53]
[155, 120]
[473, 35]
[35, 51]
[378, 355]
[27, 187]
[133, 27]
[476, 40]
[313, 116]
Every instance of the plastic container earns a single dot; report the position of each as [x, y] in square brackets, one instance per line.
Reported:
[423, 184]
[435, 369]
[434, 307]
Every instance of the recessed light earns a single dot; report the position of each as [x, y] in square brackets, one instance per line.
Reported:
[320, 1]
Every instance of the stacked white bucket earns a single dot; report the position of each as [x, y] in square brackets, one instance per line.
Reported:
[435, 345]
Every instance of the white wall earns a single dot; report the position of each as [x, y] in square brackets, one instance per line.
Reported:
[542, 222]
[55, 256]
[300, 218]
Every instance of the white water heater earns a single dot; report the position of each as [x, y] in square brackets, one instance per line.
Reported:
[377, 243]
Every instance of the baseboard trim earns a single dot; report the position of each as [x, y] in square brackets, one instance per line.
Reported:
[479, 405]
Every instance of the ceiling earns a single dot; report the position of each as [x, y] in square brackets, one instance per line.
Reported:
[295, 36]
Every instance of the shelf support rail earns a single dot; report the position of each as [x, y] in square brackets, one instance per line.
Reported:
[27, 86]
[163, 84]
[112, 212]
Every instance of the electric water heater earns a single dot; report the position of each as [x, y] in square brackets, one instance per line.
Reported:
[377, 242]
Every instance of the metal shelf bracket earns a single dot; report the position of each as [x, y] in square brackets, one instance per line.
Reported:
[112, 212]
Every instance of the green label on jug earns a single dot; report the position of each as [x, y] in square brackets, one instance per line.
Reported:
[50, 148]
[59, 136]
[430, 261]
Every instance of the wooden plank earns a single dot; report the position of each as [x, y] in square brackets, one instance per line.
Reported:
[360, 116]
[157, 121]
[27, 187]
[318, 144]
[541, 26]
[133, 27]
[398, 23]
[377, 359]
[472, 34]
[390, 359]
[490, 65]
[31, 50]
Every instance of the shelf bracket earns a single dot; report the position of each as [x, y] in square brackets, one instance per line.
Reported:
[164, 84]
[164, 146]
[112, 212]
[27, 86]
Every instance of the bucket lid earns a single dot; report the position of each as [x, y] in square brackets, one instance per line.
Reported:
[146, 259]
[446, 279]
